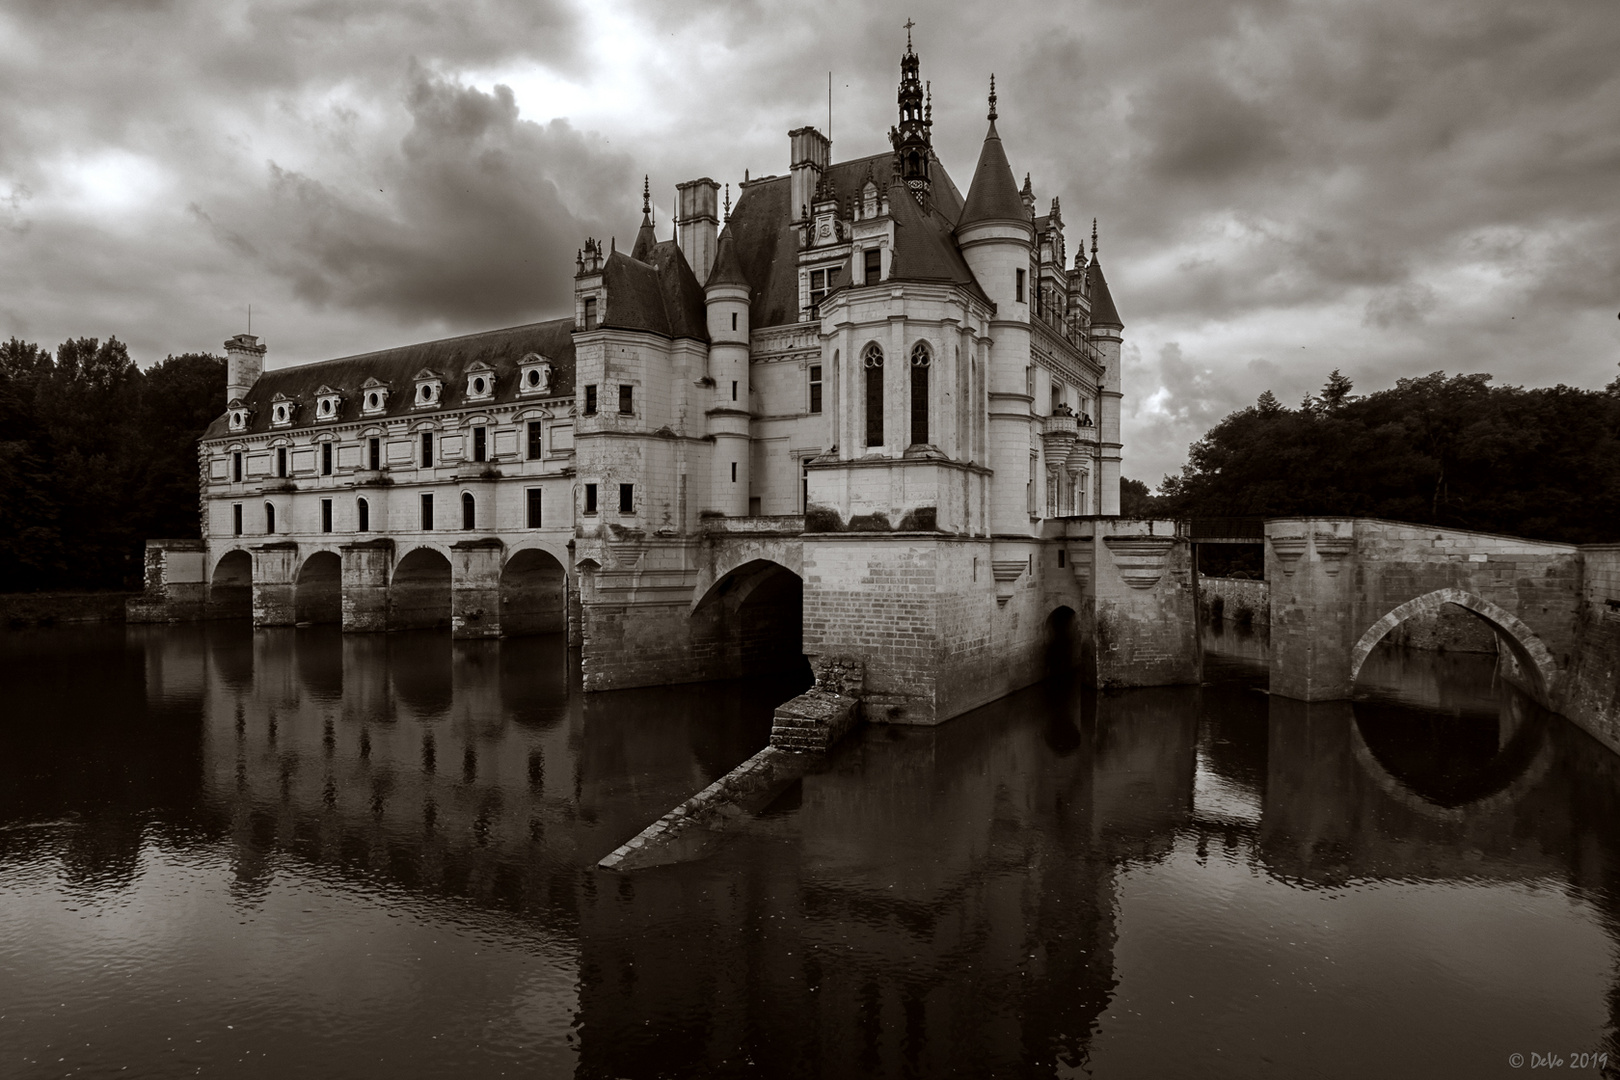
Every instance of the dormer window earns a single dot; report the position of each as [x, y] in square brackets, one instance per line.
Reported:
[238, 415]
[480, 382]
[328, 403]
[282, 410]
[429, 390]
[373, 397]
[534, 375]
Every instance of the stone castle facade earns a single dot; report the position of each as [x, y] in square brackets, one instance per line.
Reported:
[857, 414]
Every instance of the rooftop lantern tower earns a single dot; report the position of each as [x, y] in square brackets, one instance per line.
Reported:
[912, 139]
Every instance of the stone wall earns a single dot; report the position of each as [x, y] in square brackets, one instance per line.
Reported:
[1591, 692]
[1236, 596]
[1139, 620]
[49, 608]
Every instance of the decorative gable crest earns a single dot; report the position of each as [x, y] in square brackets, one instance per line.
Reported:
[373, 396]
[534, 375]
[282, 410]
[429, 390]
[480, 382]
[328, 403]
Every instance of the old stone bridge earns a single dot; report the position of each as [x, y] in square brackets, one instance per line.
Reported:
[1339, 585]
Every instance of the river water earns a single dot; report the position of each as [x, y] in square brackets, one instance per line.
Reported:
[295, 853]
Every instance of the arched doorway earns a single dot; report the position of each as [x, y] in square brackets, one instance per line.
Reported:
[419, 593]
[1062, 642]
[534, 594]
[230, 587]
[318, 590]
[751, 623]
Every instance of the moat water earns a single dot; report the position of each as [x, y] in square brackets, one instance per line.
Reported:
[294, 853]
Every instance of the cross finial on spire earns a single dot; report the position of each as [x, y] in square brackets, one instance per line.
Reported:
[909, 25]
[646, 194]
[1093, 238]
[992, 95]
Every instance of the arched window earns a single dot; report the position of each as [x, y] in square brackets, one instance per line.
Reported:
[269, 517]
[920, 359]
[363, 514]
[872, 362]
[468, 511]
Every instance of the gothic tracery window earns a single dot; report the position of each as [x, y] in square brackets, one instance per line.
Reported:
[872, 362]
[920, 361]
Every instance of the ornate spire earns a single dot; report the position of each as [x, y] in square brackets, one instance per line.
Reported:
[912, 138]
[728, 202]
[992, 116]
[646, 197]
[1093, 238]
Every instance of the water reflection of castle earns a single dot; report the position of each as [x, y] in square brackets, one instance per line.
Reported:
[936, 897]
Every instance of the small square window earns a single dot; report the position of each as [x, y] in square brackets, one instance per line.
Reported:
[590, 400]
[627, 498]
[627, 399]
[590, 498]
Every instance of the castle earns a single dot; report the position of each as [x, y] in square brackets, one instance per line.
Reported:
[855, 415]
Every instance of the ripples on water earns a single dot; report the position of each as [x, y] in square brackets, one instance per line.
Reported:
[300, 853]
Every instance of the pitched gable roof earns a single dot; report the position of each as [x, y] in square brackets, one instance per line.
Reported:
[660, 295]
[501, 349]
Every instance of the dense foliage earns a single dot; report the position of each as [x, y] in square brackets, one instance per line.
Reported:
[1451, 451]
[95, 457]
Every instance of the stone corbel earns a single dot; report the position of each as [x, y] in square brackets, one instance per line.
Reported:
[1141, 560]
[1081, 557]
[1332, 549]
[1006, 571]
[1288, 549]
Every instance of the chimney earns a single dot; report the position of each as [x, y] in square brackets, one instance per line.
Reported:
[810, 152]
[696, 223]
[243, 365]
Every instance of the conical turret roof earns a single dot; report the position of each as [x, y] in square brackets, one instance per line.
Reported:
[993, 194]
[1103, 311]
[726, 269]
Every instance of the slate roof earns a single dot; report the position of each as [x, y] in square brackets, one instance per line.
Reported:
[993, 193]
[1103, 311]
[762, 226]
[660, 294]
[726, 269]
[452, 358]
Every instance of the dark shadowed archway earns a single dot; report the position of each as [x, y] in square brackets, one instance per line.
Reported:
[751, 623]
[419, 593]
[318, 591]
[1534, 661]
[534, 594]
[1062, 642]
[230, 588]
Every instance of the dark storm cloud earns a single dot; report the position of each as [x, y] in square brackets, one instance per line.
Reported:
[1282, 188]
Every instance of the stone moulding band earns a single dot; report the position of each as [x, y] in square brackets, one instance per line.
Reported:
[1141, 559]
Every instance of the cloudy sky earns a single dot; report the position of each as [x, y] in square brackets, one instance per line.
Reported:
[1381, 186]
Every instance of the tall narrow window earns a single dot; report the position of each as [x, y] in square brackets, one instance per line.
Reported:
[590, 400]
[734, 320]
[733, 389]
[590, 498]
[269, 517]
[815, 388]
[480, 444]
[804, 501]
[590, 313]
[326, 515]
[236, 466]
[427, 449]
[919, 393]
[733, 472]
[627, 498]
[534, 508]
[627, 402]
[874, 265]
[1020, 286]
[427, 512]
[536, 446]
[818, 289]
[469, 512]
[236, 519]
[362, 513]
[872, 361]
[374, 453]
[281, 461]
[326, 459]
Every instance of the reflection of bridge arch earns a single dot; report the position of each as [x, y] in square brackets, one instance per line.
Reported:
[751, 620]
[1516, 769]
[1527, 648]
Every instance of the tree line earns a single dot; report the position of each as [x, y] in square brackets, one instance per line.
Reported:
[96, 456]
[1451, 451]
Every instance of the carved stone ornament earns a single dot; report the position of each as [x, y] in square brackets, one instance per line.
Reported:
[1288, 550]
[1332, 549]
[1141, 560]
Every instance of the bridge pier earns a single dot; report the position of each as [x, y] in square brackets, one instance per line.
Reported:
[275, 567]
[475, 588]
[365, 585]
[1312, 602]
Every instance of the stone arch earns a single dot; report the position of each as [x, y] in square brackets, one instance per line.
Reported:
[1062, 641]
[419, 590]
[230, 586]
[1528, 649]
[750, 622]
[318, 589]
[534, 593]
